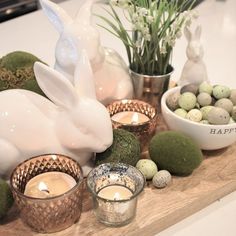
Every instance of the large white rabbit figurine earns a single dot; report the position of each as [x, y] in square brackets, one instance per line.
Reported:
[194, 70]
[112, 80]
[73, 123]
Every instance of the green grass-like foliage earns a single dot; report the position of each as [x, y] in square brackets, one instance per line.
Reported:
[153, 29]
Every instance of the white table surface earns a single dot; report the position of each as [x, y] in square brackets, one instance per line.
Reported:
[34, 33]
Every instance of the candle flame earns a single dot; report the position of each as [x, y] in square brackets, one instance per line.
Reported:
[116, 196]
[43, 187]
[135, 118]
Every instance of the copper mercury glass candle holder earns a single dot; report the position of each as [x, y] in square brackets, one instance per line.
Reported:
[52, 214]
[144, 130]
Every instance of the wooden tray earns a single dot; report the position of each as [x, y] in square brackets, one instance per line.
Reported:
[157, 209]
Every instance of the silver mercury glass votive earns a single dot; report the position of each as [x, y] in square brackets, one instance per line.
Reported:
[115, 188]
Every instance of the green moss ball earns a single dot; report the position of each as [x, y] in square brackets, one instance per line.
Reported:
[16, 71]
[175, 152]
[6, 198]
[125, 148]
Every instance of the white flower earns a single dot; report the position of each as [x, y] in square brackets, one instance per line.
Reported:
[172, 43]
[163, 49]
[143, 11]
[150, 19]
[120, 3]
[138, 43]
[145, 30]
[135, 17]
[147, 37]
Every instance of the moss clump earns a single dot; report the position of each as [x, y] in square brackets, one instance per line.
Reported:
[6, 198]
[175, 152]
[125, 148]
[16, 71]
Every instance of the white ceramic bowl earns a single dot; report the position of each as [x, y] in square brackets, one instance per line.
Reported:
[209, 137]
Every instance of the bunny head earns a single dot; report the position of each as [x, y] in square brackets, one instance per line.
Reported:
[81, 122]
[79, 28]
[194, 49]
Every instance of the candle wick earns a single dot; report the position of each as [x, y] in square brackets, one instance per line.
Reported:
[45, 190]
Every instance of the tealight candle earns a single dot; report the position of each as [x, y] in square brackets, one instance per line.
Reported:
[48, 191]
[49, 184]
[130, 117]
[135, 116]
[115, 188]
[115, 192]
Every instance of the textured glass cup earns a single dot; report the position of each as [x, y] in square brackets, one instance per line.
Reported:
[143, 131]
[49, 214]
[115, 212]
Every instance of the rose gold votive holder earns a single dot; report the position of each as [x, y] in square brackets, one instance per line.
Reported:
[143, 130]
[52, 214]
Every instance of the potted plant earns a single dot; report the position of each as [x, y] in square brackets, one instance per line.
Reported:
[154, 27]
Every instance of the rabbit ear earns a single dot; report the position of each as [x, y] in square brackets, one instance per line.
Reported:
[55, 86]
[58, 17]
[187, 33]
[84, 15]
[83, 78]
[198, 32]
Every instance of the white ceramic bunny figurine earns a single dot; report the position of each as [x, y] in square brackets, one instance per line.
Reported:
[73, 123]
[194, 70]
[112, 80]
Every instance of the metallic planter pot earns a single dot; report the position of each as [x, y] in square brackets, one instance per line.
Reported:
[150, 88]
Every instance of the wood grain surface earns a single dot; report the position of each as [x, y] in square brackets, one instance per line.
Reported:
[157, 209]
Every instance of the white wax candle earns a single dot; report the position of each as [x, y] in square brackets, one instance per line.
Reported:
[49, 184]
[115, 192]
[130, 117]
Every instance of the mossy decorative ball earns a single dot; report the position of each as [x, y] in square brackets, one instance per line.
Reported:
[175, 152]
[6, 198]
[125, 149]
[16, 71]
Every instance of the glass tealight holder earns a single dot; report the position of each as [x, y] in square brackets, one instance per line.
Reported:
[121, 185]
[52, 214]
[145, 125]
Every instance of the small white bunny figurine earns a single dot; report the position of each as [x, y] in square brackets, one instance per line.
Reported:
[112, 80]
[194, 70]
[73, 123]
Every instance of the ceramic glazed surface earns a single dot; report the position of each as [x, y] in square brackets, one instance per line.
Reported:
[209, 137]
[111, 74]
[73, 123]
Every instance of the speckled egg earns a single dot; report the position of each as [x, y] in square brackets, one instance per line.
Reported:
[205, 110]
[147, 167]
[172, 101]
[221, 91]
[233, 113]
[187, 101]
[194, 115]
[204, 99]
[192, 88]
[231, 120]
[204, 122]
[180, 112]
[161, 179]
[205, 87]
[225, 103]
[218, 116]
[233, 96]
